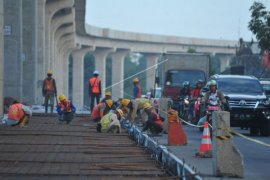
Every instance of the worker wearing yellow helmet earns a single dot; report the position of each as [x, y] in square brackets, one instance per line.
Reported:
[133, 107]
[108, 95]
[49, 91]
[137, 90]
[111, 122]
[101, 110]
[154, 121]
[65, 109]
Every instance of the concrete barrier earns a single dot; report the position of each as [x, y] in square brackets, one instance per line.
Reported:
[227, 159]
[163, 104]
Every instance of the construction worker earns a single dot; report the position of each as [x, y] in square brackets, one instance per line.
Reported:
[49, 91]
[137, 90]
[154, 121]
[101, 110]
[65, 109]
[108, 95]
[133, 107]
[94, 89]
[111, 122]
[18, 114]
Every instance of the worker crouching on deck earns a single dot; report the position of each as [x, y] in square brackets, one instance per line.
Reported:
[65, 110]
[111, 122]
[133, 108]
[101, 110]
[154, 121]
[18, 114]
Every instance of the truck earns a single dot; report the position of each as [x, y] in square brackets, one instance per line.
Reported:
[181, 67]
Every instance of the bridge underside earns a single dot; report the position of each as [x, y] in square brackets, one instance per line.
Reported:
[46, 33]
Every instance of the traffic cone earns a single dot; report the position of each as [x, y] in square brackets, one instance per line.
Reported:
[206, 145]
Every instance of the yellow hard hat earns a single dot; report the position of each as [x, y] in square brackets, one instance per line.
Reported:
[135, 80]
[49, 72]
[108, 93]
[147, 106]
[62, 97]
[125, 102]
[109, 102]
[120, 112]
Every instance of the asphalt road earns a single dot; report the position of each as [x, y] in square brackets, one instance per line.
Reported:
[256, 157]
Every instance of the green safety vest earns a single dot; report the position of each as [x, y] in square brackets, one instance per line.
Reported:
[105, 122]
[141, 102]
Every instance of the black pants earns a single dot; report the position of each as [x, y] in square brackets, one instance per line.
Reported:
[92, 100]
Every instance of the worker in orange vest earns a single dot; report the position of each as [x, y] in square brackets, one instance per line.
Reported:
[65, 109]
[137, 90]
[49, 91]
[94, 89]
[154, 122]
[101, 110]
[18, 114]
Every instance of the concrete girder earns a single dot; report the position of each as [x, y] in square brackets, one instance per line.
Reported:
[51, 8]
[118, 73]
[66, 54]
[78, 75]
[101, 55]
[146, 47]
[151, 61]
[63, 66]
[56, 23]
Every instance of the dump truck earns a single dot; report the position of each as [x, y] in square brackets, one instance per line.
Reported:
[181, 67]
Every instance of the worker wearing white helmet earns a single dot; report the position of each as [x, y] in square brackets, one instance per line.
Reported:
[94, 89]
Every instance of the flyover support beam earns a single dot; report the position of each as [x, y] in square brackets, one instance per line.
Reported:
[78, 76]
[118, 73]
[151, 61]
[100, 63]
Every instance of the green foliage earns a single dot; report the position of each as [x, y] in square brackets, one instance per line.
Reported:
[191, 50]
[260, 25]
[130, 68]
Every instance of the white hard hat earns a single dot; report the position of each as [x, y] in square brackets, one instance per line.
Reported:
[96, 72]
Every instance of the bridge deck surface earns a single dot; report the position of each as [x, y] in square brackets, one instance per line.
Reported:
[49, 150]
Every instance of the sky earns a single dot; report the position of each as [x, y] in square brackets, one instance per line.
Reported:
[211, 19]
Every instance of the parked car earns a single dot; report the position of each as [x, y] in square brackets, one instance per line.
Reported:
[247, 102]
[266, 87]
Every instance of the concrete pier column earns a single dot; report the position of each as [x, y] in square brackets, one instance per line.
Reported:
[1, 59]
[40, 68]
[100, 63]
[78, 77]
[118, 73]
[150, 73]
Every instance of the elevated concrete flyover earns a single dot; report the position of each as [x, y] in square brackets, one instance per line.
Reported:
[57, 29]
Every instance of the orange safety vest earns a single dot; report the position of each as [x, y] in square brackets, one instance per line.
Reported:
[158, 119]
[65, 106]
[49, 86]
[15, 112]
[94, 83]
[98, 110]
